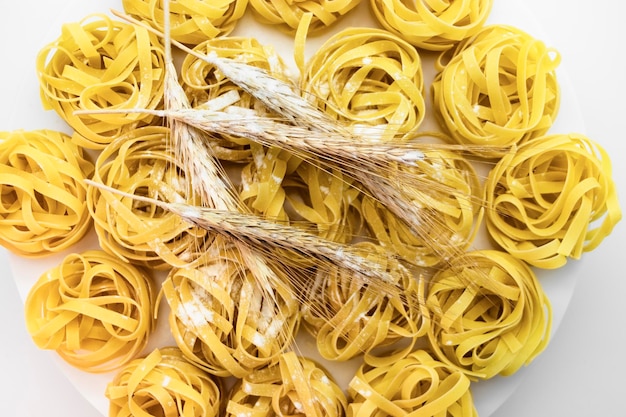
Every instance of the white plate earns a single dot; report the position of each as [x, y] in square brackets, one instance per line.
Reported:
[26, 113]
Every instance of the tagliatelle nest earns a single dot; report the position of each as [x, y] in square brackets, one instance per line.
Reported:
[99, 63]
[368, 79]
[489, 314]
[295, 386]
[552, 199]
[43, 208]
[93, 309]
[221, 318]
[164, 383]
[191, 21]
[142, 163]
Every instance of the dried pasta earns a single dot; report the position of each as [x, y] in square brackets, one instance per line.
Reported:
[552, 200]
[142, 163]
[93, 309]
[221, 318]
[497, 89]
[489, 314]
[348, 317]
[431, 24]
[99, 63]
[369, 79]
[43, 206]
[164, 383]
[288, 14]
[417, 385]
[295, 386]
[191, 21]
[452, 212]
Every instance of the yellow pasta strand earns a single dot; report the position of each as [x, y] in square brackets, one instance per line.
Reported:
[223, 321]
[287, 14]
[415, 386]
[296, 386]
[552, 200]
[191, 21]
[99, 63]
[498, 89]
[495, 325]
[369, 79]
[434, 25]
[43, 206]
[166, 384]
[348, 317]
[93, 309]
[142, 163]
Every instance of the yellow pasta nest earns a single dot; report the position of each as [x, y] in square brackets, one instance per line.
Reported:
[191, 21]
[446, 188]
[142, 163]
[288, 14]
[93, 309]
[99, 63]
[222, 319]
[416, 385]
[349, 316]
[208, 88]
[552, 199]
[498, 89]
[432, 24]
[165, 384]
[43, 208]
[296, 386]
[489, 314]
[370, 79]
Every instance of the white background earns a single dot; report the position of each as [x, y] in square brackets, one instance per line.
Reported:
[582, 371]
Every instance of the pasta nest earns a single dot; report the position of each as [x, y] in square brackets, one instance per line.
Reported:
[164, 383]
[369, 79]
[446, 190]
[431, 24]
[93, 309]
[415, 385]
[552, 199]
[97, 64]
[287, 15]
[498, 89]
[142, 163]
[349, 316]
[295, 386]
[223, 319]
[191, 21]
[43, 206]
[489, 314]
[207, 88]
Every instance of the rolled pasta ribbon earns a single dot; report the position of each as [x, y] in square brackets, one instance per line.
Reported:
[206, 86]
[142, 163]
[96, 64]
[349, 318]
[295, 386]
[498, 89]
[221, 318]
[450, 198]
[489, 314]
[432, 24]
[93, 309]
[191, 21]
[43, 206]
[288, 14]
[416, 385]
[369, 79]
[552, 200]
[164, 383]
